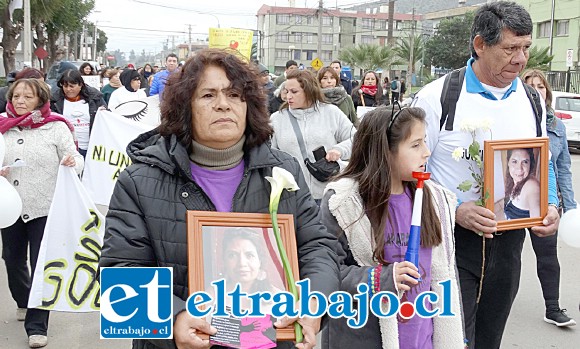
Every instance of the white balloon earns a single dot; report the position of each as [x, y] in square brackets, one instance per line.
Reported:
[2, 149]
[569, 229]
[10, 204]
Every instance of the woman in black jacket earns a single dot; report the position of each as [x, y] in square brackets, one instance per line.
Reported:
[210, 153]
[78, 103]
[369, 93]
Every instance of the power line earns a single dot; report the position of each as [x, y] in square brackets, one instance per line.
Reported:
[149, 30]
[195, 11]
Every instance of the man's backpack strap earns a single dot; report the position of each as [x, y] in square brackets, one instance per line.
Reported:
[534, 98]
[450, 96]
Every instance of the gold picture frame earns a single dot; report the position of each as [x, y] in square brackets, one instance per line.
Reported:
[510, 187]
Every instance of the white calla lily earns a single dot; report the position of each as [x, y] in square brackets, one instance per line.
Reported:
[281, 179]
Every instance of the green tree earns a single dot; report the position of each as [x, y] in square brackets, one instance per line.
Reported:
[403, 49]
[254, 52]
[132, 56]
[539, 58]
[67, 20]
[449, 47]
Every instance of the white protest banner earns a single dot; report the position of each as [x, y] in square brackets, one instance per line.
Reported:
[93, 81]
[106, 154]
[65, 278]
[361, 111]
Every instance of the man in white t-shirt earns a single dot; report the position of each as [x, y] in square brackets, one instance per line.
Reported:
[500, 40]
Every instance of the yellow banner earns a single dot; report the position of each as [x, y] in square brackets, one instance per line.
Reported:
[239, 41]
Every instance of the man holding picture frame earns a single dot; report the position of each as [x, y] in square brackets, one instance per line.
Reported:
[486, 92]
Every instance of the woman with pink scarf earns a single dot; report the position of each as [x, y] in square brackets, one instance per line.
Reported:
[43, 140]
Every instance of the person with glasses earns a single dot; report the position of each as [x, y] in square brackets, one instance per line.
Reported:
[130, 91]
[78, 103]
[489, 262]
[368, 208]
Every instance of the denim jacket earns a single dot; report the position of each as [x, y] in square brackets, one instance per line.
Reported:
[561, 161]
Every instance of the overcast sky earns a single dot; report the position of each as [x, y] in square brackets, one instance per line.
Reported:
[150, 23]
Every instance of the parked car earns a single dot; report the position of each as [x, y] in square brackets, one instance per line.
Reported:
[567, 107]
[56, 71]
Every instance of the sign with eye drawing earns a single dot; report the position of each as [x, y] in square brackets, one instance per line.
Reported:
[106, 154]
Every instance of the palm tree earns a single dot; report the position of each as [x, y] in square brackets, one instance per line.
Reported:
[368, 57]
[539, 58]
[404, 49]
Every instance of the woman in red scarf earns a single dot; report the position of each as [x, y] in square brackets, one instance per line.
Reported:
[370, 93]
[43, 140]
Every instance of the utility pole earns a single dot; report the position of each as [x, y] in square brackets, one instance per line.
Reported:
[390, 39]
[189, 43]
[411, 49]
[551, 32]
[94, 53]
[27, 38]
[319, 47]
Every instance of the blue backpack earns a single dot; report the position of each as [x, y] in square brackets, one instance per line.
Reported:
[394, 85]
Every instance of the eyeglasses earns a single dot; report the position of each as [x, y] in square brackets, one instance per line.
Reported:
[136, 79]
[394, 115]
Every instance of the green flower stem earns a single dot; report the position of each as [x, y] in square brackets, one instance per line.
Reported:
[287, 269]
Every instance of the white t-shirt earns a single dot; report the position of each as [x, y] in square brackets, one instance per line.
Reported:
[78, 115]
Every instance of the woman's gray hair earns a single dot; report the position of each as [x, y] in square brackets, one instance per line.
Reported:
[492, 18]
[279, 89]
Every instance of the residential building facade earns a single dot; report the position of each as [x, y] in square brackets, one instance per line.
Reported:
[292, 33]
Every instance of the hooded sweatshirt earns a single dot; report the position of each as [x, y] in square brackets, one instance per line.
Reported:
[126, 93]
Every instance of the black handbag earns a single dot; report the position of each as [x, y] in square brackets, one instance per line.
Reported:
[322, 169]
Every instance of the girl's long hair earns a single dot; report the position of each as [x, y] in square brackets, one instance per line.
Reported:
[373, 150]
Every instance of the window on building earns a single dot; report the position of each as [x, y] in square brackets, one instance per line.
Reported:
[310, 20]
[398, 25]
[282, 37]
[297, 55]
[298, 37]
[310, 38]
[381, 24]
[544, 29]
[327, 21]
[310, 54]
[562, 28]
[327, 38]
[367, 23]
[366, 39]
[298, 19]
[326, 56]
[282, 54]
[282, 19]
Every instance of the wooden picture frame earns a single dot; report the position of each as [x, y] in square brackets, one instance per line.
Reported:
[499, 177]
[203, 243]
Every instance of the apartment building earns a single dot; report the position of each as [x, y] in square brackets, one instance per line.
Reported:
[292, 33]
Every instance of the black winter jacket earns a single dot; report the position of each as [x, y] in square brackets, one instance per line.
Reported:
[95, 101]
[146, 219]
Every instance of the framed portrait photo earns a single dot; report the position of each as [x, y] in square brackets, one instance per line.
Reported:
[516, 179]
[241, 249]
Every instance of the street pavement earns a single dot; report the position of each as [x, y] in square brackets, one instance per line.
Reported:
[525, 329]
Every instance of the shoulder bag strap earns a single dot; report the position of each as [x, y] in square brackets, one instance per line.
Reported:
[298, 134]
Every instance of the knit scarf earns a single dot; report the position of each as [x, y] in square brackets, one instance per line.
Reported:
[369, 90]
[334, 95]
[217, 159]
[115, 84]
[33, 119]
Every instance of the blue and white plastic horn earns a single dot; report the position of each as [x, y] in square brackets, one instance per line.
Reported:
[412, 254]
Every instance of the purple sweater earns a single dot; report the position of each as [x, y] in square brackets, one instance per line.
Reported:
[219, 185]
